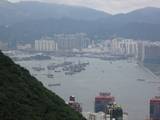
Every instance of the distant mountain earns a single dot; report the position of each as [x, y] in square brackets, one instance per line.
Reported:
[27, 21]
[144, 15]
[18, 12]
[140, 31]
[23, 97]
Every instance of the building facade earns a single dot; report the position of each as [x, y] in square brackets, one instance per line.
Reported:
[140, 56]
[151, 53]
[122, 46]
[102, 101]
[68, 42]
[45, 45]
[155, 108]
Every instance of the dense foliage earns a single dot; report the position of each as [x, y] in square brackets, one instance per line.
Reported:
[22, 97]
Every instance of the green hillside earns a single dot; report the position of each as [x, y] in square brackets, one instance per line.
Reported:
[22, 97]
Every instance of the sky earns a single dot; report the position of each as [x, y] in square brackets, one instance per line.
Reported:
[110, 6]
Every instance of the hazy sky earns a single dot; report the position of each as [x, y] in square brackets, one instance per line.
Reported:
[110, 6]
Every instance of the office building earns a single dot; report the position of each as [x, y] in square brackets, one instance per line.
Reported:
[140, 56]
[102, 101]
[151, 54]
[120, 46]
[68, 42]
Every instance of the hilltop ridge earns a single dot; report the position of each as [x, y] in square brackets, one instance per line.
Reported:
[23, 97]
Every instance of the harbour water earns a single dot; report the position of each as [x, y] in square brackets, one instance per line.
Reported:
[117, 77]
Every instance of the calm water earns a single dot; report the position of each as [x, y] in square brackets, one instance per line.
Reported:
[119, 78]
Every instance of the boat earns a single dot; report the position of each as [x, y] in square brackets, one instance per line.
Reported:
[50, 75]
[140, 79]
[57, 71]
[55, 84]
[38, 68]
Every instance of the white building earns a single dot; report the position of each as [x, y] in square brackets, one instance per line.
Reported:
[45, 45]
[129, 47]
[124, 47]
